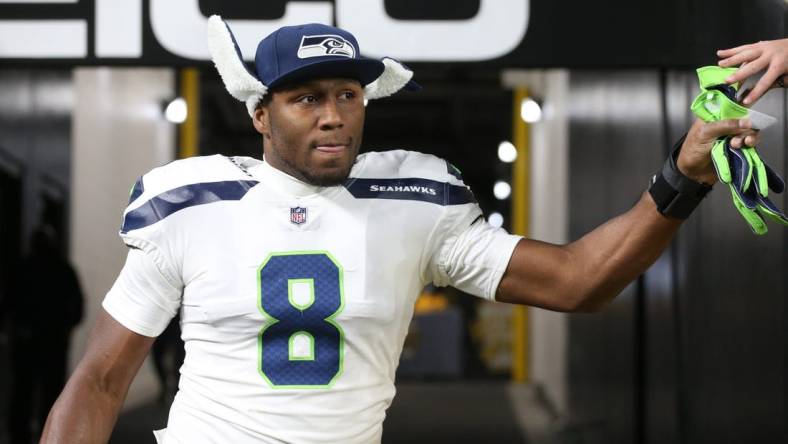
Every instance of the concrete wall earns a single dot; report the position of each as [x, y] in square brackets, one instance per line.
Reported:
[119, 133]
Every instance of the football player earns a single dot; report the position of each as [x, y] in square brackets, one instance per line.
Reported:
[295, 276]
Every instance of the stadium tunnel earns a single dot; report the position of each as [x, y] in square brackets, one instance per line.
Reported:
[694, 351]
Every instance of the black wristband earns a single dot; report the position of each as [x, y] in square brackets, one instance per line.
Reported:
[675, 194]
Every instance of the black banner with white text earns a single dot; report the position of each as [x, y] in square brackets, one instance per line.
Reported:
[504, 33]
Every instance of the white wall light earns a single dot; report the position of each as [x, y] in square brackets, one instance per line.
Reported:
[176, 111]
[495, 219]
[502, 190]
[530, 110]
[507, 152]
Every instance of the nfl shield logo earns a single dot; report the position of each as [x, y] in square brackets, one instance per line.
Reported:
[298, 215]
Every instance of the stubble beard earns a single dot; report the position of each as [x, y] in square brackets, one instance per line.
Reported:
[328, 179]
[331, 177]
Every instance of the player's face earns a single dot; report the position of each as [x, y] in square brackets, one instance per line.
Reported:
[313, 130]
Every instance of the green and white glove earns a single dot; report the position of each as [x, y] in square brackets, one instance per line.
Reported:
[749, 180]
[747, 176]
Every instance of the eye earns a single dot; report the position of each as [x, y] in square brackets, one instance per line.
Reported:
[349, 95]
[307, 98]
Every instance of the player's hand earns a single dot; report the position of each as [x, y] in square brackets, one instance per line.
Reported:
[695, 157]
[771, 55]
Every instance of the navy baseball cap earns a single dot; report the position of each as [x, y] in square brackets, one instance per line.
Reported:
[297, 53]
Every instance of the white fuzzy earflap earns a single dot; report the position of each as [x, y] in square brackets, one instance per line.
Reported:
[251, 103]
[393, 79]
[240, 83]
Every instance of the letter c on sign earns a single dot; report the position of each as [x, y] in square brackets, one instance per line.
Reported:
[496, 30]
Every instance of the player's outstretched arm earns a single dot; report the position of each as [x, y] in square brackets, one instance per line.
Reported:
[87, 409]
[771, 56]
[587, 274]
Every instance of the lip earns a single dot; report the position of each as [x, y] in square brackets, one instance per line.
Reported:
[331, 148]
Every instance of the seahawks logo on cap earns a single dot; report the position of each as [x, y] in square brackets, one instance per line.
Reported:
[325, 45]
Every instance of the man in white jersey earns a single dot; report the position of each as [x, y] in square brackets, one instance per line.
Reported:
[296, 276]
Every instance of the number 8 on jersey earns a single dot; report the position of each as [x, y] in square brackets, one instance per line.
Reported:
[302, 346]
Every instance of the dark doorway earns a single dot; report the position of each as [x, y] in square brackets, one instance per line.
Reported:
[10, 219]
[10, 252]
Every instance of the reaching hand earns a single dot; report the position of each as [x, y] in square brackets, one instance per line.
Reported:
[695, 156]
[771, 55]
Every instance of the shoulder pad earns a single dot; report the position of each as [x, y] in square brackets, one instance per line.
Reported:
[408, 175]
[406, 164]
[184, 183]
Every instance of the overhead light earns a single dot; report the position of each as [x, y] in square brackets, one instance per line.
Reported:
[502, 190]
[530, 110]
[507, 152]
[176, 110]
[495, 219]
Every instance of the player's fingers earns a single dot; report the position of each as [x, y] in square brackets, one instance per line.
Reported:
[731, 51]
[749, 138]
[752, 140]
[710, 131]
[763, 85]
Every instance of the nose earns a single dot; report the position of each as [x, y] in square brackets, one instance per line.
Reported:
[330, 116]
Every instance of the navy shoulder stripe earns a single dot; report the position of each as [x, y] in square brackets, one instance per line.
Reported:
[424, 190]
[174, 200]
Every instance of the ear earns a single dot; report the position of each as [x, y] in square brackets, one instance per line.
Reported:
[261, 121]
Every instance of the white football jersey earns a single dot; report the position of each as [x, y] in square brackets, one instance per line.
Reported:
[294, 299]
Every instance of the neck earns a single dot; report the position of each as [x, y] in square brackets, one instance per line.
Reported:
[275, 161]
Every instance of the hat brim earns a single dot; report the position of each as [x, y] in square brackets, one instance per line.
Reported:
[364, 70]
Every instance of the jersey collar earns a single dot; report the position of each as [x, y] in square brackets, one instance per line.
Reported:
[282, 182]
